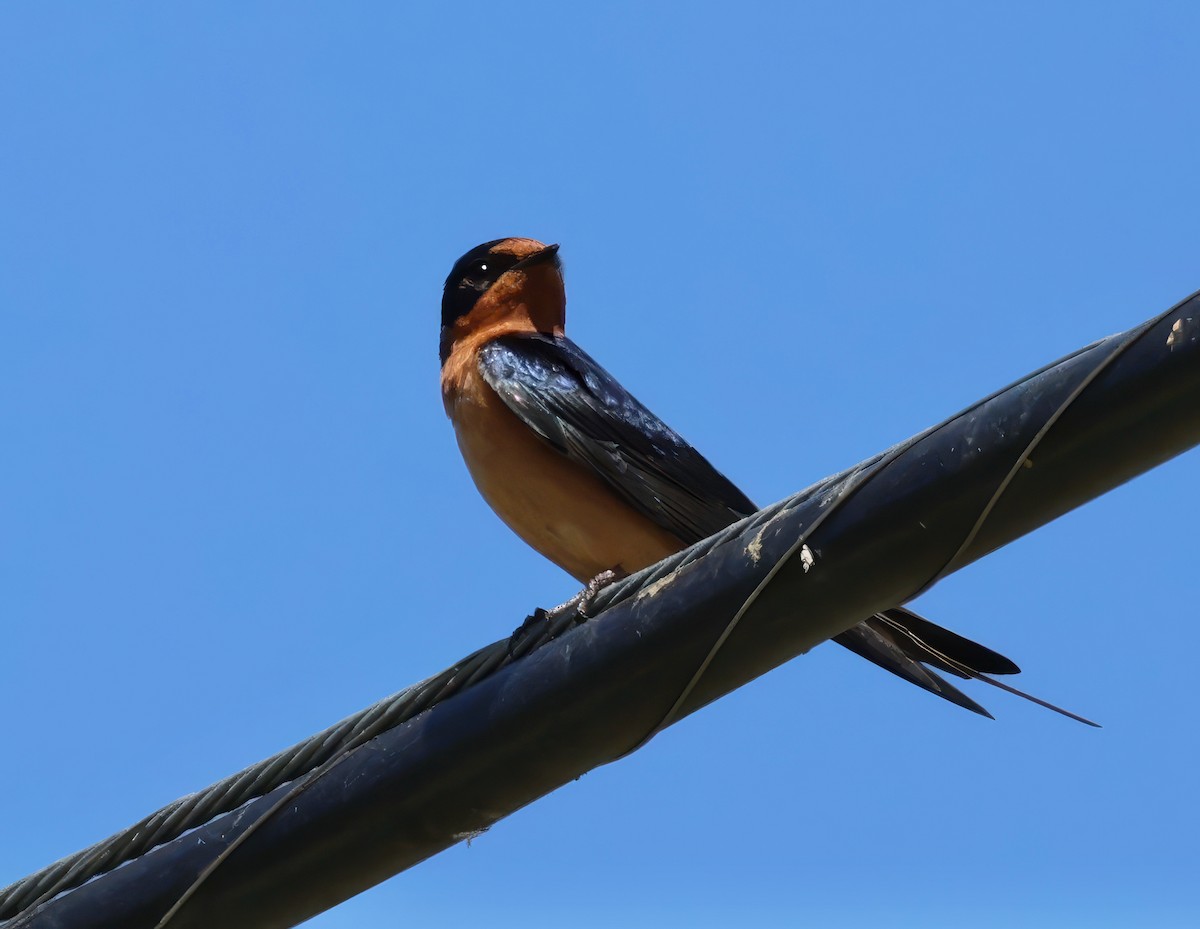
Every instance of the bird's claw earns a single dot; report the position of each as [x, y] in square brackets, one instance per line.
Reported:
[577, 606]
[582, 601]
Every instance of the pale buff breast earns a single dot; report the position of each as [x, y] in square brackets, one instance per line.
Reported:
[555, 505]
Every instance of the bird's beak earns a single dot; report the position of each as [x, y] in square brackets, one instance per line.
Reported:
[549, 253]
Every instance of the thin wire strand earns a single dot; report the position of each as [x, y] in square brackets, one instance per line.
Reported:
[845, 492]
[1131, 338]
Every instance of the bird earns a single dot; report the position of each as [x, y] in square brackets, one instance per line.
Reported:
[589, 477]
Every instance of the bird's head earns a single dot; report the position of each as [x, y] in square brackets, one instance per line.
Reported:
[516, 282]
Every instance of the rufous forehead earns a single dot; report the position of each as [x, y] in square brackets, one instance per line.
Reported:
[517, 248]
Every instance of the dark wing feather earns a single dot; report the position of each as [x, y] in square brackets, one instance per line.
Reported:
[875, 640]
[945, 650]
[560, 392]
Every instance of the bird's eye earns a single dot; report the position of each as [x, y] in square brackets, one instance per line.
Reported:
[471, 277]
[483, 272]
[477, 276]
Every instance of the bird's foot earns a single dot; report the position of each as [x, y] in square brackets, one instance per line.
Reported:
[578, 606]
[582, 601]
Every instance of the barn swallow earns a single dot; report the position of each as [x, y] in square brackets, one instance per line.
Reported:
[592, 479]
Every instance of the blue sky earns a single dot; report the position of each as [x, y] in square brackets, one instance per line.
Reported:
[232, 511]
